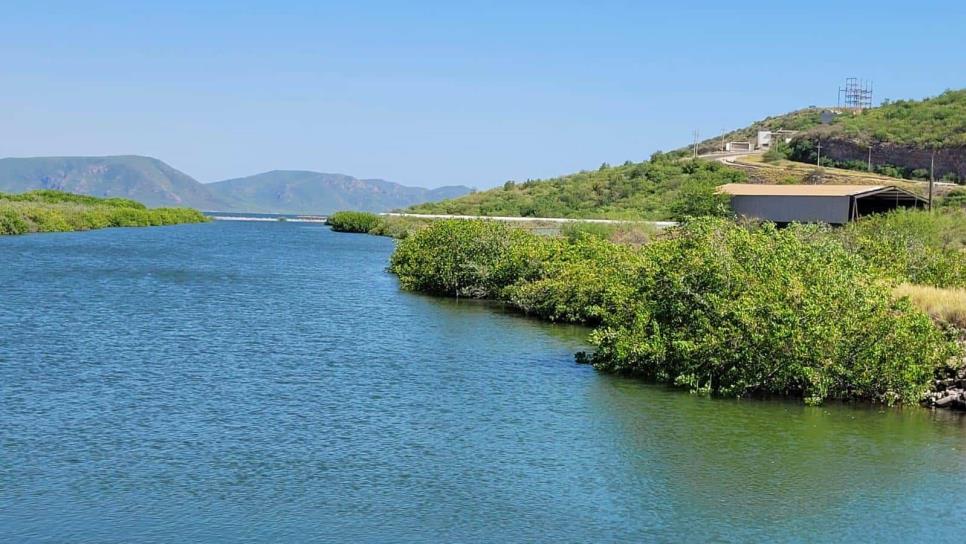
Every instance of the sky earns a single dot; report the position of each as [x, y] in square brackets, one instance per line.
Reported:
[441, 93]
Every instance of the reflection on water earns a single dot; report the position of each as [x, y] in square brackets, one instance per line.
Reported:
[267, 382]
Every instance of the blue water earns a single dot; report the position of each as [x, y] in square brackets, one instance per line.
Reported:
[269, 382]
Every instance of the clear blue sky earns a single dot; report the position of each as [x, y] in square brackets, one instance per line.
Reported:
[436, 93]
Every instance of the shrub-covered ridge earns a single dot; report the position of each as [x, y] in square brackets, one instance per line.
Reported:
[661, 188]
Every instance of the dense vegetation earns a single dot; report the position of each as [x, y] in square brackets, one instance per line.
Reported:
[954, 199]
[715, 306]
[351, 221]
[56, 211]
[912, 246]
[662, 188]
[934, 122]
[371, 223]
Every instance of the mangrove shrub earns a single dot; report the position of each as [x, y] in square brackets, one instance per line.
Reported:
[475, 259]
[350, 221]
[740, 311]
[56, 211]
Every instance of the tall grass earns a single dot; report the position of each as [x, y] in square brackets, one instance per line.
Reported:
[944, 305]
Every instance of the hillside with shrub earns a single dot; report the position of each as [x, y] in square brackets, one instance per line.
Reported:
[56, 211]
[933, 122]
[901, 139]
[661, 188]
[800, 120]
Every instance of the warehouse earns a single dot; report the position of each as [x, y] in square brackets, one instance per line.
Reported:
[835, 204]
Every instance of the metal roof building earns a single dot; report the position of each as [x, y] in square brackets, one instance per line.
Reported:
[835, 204]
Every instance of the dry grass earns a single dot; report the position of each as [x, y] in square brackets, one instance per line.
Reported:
[786, 171]
[946, 305]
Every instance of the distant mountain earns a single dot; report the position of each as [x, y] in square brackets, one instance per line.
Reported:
[144, 179]
[298, 191]
[155, 183]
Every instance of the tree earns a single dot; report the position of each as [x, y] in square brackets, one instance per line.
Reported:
[700, 199]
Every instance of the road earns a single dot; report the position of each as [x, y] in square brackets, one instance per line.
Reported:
[658, 224]
[727, 156]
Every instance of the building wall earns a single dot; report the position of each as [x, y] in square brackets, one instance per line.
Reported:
[764, 139]
[738, 146]
[785, 209]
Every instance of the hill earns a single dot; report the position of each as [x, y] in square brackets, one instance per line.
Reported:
[803, 119]
[933, 122]
[650, 190]
[901, 136]
[144, 179]
[298, 191]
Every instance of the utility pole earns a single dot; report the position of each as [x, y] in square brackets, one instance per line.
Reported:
[696, 134]
[870, 157]
[818, 161]
[932, 176]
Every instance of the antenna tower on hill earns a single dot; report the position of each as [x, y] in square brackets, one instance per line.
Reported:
[857, 94]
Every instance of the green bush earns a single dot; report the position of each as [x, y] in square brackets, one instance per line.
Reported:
[698, 198]
[584, 279]
[777, 152]
[912, 246]
[350, 221]
[398, 227]
[50, 196]
[476, 259]
[889, 170]
[12, 222]
[55, 211]
[955, 199]
[735, 311]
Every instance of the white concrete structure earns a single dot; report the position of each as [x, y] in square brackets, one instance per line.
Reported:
[764, 139]
[738, 146]
[767, 137]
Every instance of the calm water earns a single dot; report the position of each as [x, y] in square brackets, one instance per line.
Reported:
[268, 382]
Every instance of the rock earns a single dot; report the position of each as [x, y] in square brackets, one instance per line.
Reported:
[946, 400]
